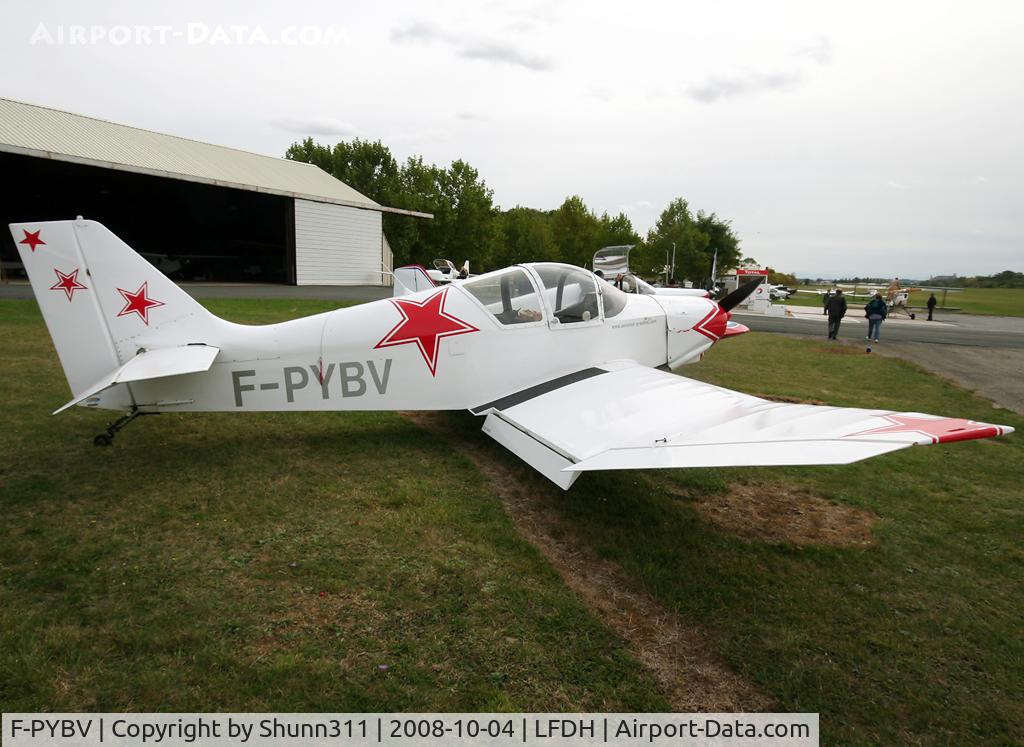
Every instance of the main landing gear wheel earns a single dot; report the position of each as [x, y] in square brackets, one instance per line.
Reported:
[103, 440]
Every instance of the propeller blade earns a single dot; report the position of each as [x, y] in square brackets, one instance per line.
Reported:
[737, 296]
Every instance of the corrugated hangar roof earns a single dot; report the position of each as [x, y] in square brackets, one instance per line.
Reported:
[50, 133]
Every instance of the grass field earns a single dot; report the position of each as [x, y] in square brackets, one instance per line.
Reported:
[356, 562]
[991, 301]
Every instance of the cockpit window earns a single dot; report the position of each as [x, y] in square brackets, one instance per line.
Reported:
[614, 299]
[646, 288]
[570, 291]
[509, 296]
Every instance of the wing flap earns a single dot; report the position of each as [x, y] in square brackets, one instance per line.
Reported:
[540, 456]
[153, 364]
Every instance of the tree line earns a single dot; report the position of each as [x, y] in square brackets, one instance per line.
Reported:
[468, 225]
[1004, 279]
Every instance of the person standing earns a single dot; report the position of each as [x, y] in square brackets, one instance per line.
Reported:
[876, 310]
[931, 306]
[836, 310]
[825, 299]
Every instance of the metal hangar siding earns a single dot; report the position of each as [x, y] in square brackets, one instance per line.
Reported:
[337, 245]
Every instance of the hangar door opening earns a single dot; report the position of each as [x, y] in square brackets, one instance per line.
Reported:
[337, 245]
[190, 231]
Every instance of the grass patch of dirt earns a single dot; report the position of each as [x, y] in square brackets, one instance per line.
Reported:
[678, 655]
[778, 514]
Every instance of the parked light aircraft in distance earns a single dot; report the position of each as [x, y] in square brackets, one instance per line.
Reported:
[780, 292]
[445, 271]
[613, 261]
[570, 374]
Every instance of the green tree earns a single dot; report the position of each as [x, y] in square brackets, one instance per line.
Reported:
[676, 233]
[781, 278]
[576, 232]
[525, 235]
[616, 231]
[721, 238]
[367, 167]
[465, 219]
[309, 152]
[415, 239]
[464, 224]
[469, 228]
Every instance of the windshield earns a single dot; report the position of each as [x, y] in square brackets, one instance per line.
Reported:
[614, 299]
[571, 292]
[509, 296]
[645, 288]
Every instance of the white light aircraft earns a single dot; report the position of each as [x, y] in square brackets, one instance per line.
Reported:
[570, 374]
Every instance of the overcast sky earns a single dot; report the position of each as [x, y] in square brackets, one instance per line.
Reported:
[874, 139]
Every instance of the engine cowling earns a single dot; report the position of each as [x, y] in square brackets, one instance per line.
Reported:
[693, 325]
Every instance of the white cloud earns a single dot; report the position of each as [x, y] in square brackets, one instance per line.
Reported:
[722, 87]
[472, 47]
[315, 126]
[500, 52]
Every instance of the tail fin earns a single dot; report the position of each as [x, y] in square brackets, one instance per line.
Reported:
[102, 302]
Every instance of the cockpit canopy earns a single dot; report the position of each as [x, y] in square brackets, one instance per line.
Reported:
[570, 294]
[508, 294]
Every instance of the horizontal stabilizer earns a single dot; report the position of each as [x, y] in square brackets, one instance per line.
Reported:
[153, 364]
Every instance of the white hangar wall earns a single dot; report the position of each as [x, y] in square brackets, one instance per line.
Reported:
[338, 245]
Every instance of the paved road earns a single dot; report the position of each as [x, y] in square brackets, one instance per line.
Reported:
[982, 354]
[994, 373]
[990, 332]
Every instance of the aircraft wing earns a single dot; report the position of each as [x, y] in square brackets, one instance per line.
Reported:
[624, 415]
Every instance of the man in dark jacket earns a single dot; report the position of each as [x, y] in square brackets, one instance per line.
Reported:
[836, 310]
[931, 306]
[825, 299]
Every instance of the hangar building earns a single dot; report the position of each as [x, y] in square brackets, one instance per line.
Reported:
[197, 211]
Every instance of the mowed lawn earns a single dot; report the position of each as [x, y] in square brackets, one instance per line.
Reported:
[287, 562]
[990, 301]
[356, 562]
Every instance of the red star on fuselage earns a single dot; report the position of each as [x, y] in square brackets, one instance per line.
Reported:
[138, 303]
[67, 283]
[32, 239]
[424, 323]
[939, 430]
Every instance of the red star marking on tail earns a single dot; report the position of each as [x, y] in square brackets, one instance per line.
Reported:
[32, 239]
[424, 323]
[939, 430]
[138, 302]
[67, 283]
